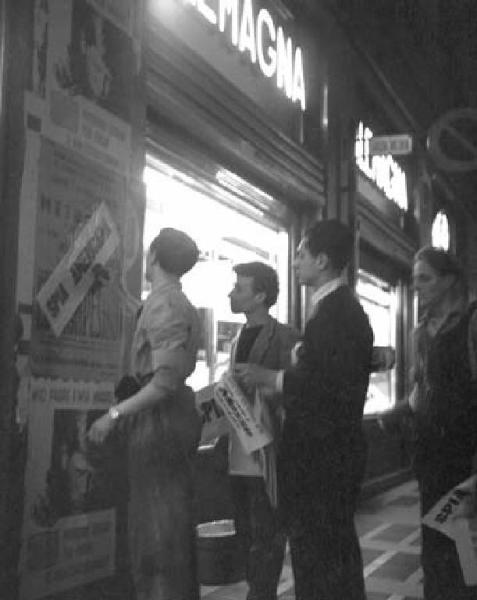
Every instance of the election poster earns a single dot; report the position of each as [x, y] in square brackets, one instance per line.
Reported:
[455, 515]
[241, 415]
[122, 13]
[69, 525]
[78, 270]
[79, 242]
[214, 422]
[85, 56]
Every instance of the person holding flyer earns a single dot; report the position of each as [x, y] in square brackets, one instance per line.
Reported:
[163, 428]
[322, 453]
[265, 341]
[442, 410]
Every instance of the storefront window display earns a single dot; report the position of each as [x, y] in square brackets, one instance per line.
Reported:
[379, 300]
[227, 231]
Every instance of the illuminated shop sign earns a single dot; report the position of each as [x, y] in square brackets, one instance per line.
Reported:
[383, 170]
[441, 231]
[259, 38]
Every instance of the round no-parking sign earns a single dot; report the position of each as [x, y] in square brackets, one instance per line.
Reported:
[452, 140]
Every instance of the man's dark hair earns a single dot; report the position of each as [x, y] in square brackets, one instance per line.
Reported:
[174, 251]
[333, 239]
[264, 279]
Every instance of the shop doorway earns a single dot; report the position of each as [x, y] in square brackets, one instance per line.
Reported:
[228, 231]
[379, 300]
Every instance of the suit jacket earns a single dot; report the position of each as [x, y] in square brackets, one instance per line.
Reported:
[322, 452]
[272, 346]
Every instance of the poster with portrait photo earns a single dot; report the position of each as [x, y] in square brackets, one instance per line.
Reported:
[71, 490]
[84, 74]
[89, 56]
[76, 483]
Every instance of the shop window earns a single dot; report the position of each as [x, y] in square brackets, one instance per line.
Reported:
[379, 300]
[227, 232]
[440, 231]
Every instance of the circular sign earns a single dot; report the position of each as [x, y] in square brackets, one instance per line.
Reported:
[452, 140]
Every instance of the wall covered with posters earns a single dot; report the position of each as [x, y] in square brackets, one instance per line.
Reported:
[81, 205]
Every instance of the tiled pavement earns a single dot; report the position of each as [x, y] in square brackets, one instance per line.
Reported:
[388, 528]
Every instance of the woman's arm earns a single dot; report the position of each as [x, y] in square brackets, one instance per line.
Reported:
[148, 396]
[167, 329]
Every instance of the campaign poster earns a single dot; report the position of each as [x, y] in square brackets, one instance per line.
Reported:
[79, 269]
[88, 55]
[455, 515]
[245, 419]
[84, 67]
[69, 526]
[79, 248]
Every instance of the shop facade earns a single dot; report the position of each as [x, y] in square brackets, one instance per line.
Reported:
[385, 250]
[376, 195]
[230, 91]
[124, 120]
[227, 90]
[237, 122]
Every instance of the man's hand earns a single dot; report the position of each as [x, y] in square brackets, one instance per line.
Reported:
[100, 429]
[250, 375]
[383, 359]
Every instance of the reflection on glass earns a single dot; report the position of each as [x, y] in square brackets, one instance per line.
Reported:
[379, 300]
[225, 237]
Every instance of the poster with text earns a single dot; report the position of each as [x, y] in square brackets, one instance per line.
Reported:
[455, 515]
[69, 521]
[84, 68]
[79, 249]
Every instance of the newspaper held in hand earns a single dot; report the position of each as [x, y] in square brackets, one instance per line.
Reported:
[239, 413]
[455, 515]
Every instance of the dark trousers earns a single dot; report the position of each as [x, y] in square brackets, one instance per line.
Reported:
[326, 556]
[443, 579]
[318, 500]
[261, 539]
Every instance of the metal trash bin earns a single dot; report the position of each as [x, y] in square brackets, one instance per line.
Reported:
[218, 556]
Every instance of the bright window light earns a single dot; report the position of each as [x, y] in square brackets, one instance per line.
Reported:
[379, 301]
[226, 236]
[440, 231]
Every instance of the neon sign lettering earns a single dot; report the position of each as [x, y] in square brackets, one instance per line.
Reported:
[383, 170]
[259, 38]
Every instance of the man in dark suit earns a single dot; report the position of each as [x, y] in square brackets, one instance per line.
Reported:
[323, 450]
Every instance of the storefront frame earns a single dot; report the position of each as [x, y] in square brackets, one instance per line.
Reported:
[189, 104]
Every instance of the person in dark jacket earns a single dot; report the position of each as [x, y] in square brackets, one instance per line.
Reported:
[265, 341]
[442, 407]
[323, 451]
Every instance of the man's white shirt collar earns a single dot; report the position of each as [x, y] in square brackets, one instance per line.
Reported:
[316, 298]
[324, 291]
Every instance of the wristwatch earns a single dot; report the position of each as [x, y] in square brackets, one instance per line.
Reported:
[114, 413]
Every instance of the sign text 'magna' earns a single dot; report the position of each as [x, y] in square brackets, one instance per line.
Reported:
[257, 35]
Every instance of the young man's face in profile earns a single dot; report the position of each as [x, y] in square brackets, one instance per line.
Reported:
[243, 298]
[305, 264]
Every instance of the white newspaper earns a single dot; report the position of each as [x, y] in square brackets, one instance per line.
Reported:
[214, 423]
[239, 413]
[455, 515]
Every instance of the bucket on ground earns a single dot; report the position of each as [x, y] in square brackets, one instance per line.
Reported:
[218, 554]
